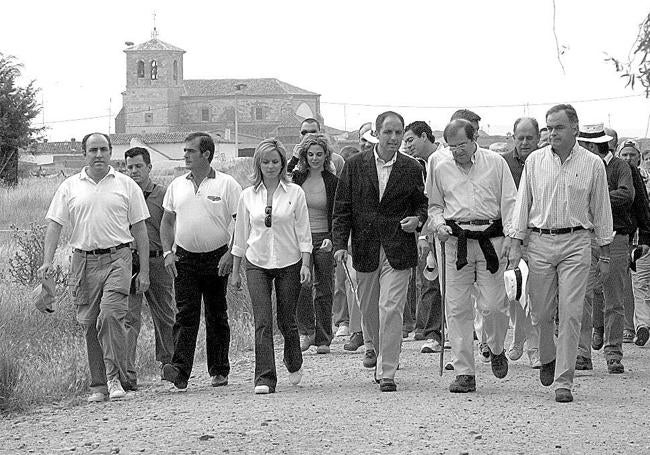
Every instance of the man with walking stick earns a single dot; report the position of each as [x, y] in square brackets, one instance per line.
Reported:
[471, 197]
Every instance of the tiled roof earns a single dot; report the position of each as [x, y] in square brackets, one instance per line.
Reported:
[151, 138]
[58, 148]
[226, 87]
[154, 44]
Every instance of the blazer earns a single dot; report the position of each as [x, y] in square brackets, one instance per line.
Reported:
[373, 222]
[331, 181]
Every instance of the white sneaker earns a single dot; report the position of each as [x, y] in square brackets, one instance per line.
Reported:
[115, 390]
[343, 331]
[296, 377]
[516, 351]
[96, 397]
[430, 346]
[262, 390]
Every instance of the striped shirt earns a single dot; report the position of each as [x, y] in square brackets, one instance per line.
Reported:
[555, 195]
[485, 192]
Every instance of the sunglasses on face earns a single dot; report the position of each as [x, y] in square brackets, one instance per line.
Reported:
[267, 219]
[303, 132]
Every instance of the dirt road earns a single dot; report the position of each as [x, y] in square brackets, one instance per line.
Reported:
[339, 409]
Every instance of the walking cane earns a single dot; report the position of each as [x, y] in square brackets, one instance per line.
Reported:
[354, 289]
[443, 292]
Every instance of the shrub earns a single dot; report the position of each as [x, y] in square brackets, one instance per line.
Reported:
[30, 243]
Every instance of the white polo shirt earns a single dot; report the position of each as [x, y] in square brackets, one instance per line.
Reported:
[203, 214]
[101, 213]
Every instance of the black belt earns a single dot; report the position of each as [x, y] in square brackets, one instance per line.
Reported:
[102, 250]
[218, 252]
[559, 231]
[475, 222]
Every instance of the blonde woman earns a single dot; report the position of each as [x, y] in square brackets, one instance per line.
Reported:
[272, 232]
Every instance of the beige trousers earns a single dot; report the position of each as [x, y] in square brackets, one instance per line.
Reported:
[383, 295]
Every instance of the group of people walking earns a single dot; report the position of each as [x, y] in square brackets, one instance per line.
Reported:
[356, 234]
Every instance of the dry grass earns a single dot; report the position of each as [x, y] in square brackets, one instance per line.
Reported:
[43, 357]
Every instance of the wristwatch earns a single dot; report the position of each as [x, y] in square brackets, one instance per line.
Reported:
[166, 253]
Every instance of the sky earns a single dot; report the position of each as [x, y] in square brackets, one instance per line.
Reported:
[422, 58]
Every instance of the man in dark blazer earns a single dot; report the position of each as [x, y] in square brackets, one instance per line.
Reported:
[380, 201]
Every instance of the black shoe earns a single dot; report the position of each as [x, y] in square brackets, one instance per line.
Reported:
[614, 366]
[130, 386]
[219, 380]
[499, 364]
[419, 336]
[463, 383]
[642, 335]
[387, 385]
[628, 336]
[356, 341]
[597, 339]
[563, 396]
[405, 333]
[172, 374]
[583, 363]
[370, 359]
[547, 373]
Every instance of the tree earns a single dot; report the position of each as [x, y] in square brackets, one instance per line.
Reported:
[18, 107]
[637, 67]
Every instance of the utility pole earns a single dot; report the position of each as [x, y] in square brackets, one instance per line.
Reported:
[238, 88]
[110, 100]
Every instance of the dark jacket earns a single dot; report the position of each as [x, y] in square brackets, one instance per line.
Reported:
[374, 223]
[640, 210]
[621, 194]
[330, 181]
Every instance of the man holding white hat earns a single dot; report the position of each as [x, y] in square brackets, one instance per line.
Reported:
[621, 196]
[562, 197]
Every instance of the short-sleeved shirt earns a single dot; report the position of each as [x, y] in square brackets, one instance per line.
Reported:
[154, 194]
[100, 213]
[203, 212]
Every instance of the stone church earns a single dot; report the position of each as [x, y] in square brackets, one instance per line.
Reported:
[158, 99]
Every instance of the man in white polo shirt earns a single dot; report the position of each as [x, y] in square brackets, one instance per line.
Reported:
[100, 204]
[199, 207]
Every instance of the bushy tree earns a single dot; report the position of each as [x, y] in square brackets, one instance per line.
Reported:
[636, 70]
[18, 107]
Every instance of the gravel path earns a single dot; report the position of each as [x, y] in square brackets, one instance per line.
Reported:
[339, 409]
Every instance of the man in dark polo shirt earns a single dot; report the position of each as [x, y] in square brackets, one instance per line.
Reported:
[621, 196]
[526, 138]
[160, 297]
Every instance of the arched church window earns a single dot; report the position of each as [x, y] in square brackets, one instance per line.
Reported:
[140, 68]
[175, 71]
[154, 70]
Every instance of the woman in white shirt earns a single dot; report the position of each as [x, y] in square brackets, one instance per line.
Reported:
[272, 231]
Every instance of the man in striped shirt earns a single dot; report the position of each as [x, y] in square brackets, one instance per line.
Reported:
[563, 195]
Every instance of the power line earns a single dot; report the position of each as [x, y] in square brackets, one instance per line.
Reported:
[338, 103]
[591, 100]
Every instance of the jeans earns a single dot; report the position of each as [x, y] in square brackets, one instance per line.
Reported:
[640, 279]
[612, 312]
[427, 312]
[314, 307]
[287, 288]
[340, 300]
[198, 278]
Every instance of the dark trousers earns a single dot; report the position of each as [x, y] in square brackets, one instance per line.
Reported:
[198, 278]
[314, 309]
[423, 299]
[287, 288]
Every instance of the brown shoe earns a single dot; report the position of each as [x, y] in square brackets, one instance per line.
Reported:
[547, 373]
[463, 383]
[597, 339]
[499, 364]
[614, 366]
[563, 396]
[583, 363]
[370, 359]
[387, 385]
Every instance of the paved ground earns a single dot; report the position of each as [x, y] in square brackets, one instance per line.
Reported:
[339, 409]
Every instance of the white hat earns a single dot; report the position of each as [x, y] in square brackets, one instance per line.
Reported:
[515, 282]
[430, 272]
[593, 133]
[368, 136]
